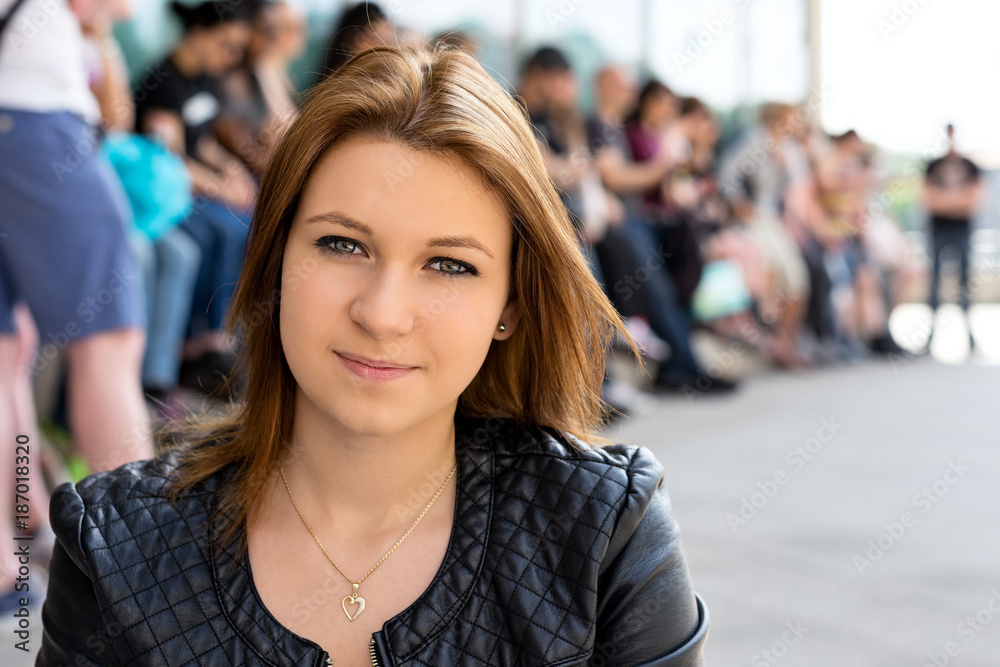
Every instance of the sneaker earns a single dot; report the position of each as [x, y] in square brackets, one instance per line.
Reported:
[886, 345]
[699, 383]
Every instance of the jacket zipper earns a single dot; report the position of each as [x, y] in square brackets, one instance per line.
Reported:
[371, 652]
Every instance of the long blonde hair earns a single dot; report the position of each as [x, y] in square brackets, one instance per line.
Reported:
[438, 101]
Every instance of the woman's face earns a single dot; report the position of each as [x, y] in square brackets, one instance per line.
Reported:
[400, 257]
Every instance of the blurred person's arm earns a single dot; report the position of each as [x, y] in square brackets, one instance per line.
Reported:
[624, 177]
[230, 183]
[218, 174]
[732, 183]
[233, 131]
[112, 90]
[805, 213]
[565, 171]
[953, 202]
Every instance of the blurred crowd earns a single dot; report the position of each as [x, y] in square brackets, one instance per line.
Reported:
[769, 245]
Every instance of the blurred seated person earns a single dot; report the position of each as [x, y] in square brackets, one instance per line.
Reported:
[169, 257]
[653, 132]
[845, 181]
[755, 177]
[631, 256]
[259, 100]
[186, 85]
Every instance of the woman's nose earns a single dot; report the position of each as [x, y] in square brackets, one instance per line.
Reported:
[386, 304]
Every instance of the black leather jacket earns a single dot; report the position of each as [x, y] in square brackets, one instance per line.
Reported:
[558, 556]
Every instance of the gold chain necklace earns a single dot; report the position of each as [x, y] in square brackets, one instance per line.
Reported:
[354, 598]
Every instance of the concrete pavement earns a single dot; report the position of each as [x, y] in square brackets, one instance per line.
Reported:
[847, 516]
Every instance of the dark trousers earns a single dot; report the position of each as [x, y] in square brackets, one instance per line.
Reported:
[221, 235]
[957, 238]
[638, 282]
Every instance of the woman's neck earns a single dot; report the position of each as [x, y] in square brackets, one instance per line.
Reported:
[360, 484]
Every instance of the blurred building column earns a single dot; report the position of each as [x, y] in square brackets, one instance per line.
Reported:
[813, 38]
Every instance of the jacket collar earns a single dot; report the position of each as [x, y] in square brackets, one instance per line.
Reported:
[407, 632]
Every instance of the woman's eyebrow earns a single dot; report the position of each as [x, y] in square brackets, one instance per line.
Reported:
[436, 242]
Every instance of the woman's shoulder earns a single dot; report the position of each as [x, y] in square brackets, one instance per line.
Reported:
[553, 472]
[105, 514]
[550, 454]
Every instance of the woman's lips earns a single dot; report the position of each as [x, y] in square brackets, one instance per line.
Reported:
[371, 373]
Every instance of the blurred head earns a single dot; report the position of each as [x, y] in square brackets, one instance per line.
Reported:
[548, 76]
[280, 31]
[216, 32]
[657, 105]
[849, 143]
[361, 27]
[615, 90]
[778, 118]
[698, 122]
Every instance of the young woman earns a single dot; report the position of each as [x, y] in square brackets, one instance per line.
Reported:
[409, 476]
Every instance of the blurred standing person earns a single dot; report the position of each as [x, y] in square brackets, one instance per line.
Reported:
[184, 89]
[361, 27]
[64, 255]
[952, 192]
[259, 100]
[64, 224]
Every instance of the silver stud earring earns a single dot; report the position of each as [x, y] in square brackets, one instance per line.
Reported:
[503, 327]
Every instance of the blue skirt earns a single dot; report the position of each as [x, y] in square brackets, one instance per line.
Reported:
[64, 221]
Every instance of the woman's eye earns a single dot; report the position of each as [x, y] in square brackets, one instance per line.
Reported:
[337, 245]
[454, 268]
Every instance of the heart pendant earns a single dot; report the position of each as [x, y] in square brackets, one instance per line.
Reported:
[353, 600]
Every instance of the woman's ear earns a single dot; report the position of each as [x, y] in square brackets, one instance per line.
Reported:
[510, 317]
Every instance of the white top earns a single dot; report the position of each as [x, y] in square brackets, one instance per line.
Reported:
[42, 62]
